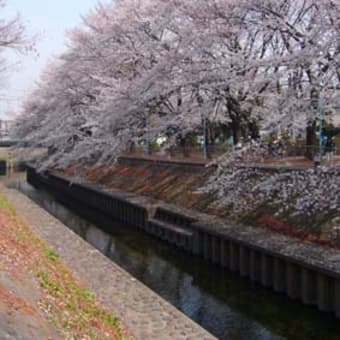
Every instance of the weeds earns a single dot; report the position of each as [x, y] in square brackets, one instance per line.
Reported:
[66, 302]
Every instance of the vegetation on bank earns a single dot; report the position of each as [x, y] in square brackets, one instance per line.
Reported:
[70, 307]
[182, 188]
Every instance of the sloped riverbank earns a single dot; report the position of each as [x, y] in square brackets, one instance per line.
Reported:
[219, 300]
[307, 272]
[40, 297]
[146, 315]
[178, 183]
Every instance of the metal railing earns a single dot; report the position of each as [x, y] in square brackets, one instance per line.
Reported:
[179, 152]
[214, 151]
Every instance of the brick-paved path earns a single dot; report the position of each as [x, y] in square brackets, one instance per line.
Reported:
[146, 315]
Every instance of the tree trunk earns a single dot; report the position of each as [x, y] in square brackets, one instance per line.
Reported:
[211, 140]
[132, 147]
[184, 146]
[311, 140]
[311, 125]
[254, 130]
[236, 129]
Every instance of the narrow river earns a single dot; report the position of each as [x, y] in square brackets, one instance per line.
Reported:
[225, 304]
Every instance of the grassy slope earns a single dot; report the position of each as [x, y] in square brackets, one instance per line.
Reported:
[66, 303]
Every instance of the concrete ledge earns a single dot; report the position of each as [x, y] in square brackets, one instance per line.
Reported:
[183, 164]
[146, 314]
[315, 257]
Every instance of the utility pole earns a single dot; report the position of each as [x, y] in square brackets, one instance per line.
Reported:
[320, 109]
[320, 125]
[204, 126]
[147, 133]
[205, 139]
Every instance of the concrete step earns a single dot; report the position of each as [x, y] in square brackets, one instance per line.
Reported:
[171, 233]
[171, 227]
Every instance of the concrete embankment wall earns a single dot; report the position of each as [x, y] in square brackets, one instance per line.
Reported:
[168, 181]
[306, 272]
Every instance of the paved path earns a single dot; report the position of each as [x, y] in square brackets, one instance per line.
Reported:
[146, 315]
[288, 163]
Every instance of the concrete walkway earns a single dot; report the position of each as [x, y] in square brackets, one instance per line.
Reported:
[146, 314]
[278, 163]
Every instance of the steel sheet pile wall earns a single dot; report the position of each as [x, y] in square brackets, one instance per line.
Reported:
[112, 205]
[297, 278]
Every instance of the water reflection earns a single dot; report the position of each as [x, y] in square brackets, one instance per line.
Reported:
[228, 306]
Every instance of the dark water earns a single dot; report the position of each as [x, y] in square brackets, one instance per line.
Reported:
[226, 305]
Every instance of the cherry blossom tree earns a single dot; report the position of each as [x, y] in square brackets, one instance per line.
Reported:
[138, 70]
[248, 63]
[304, 71]
[12, 37]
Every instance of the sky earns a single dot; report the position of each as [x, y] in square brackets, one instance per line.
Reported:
[48, 21]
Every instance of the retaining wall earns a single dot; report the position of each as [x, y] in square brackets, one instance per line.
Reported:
[306, 272]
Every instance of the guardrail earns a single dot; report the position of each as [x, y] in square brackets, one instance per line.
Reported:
[214, 151]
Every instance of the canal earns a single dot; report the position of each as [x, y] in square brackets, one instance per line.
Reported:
[223, 303]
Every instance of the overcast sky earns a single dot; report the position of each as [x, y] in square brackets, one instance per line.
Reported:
[48, 20]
